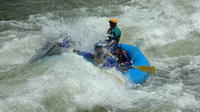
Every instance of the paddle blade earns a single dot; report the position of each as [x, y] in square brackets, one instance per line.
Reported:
[121, 81]
[145, 68]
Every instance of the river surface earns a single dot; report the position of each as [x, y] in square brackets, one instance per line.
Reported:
[68, 83]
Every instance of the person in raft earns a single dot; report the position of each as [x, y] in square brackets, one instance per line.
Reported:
[124, 62]
[119, 59]
[113, 34]
[100, 58]
[97, 58]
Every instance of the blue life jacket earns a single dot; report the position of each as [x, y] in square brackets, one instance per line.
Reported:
[110, 61]
[111, 47]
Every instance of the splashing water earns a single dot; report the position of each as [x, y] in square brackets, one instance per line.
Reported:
[68, 83]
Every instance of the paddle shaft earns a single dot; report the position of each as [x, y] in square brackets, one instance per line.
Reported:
[49, 50]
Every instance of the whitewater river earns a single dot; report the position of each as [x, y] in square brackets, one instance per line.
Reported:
[67, 83]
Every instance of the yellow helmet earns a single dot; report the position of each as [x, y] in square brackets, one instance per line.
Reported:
[113, 20]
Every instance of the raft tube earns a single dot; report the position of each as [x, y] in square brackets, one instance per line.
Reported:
[136, 76]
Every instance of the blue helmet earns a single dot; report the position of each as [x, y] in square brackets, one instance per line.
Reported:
[98, 45]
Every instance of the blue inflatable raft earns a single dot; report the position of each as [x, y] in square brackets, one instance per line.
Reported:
[135, 75]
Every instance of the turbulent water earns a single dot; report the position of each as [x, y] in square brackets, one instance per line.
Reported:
[67, 83]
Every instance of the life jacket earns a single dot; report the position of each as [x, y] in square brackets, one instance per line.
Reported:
[115, 34]
[110, 61]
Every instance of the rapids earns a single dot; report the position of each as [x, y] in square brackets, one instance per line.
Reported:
[67, 83]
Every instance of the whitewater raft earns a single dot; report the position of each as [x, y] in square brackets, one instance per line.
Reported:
[136, 76]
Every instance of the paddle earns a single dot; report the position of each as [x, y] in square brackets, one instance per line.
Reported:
[49, 50]
[65, 44]
[146, 68]
[121, 81]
